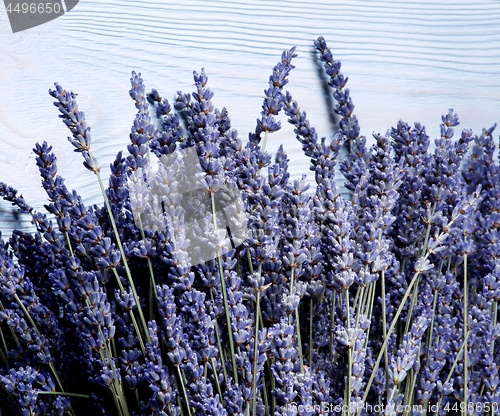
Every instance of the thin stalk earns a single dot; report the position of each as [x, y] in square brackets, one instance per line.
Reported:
[137, 399]
[120, 406]
[273, 386]
[63, 393]
[407, 387]
[369, 310]
[265, 399]
[457, 358]
[150, 266]
[431, 328]
[224, 298]
[332, 324]
[410, 388]
[466, 329]
[389, 332]
[384, 327]
[261, 320]
[413, 389]
[299, 340]
[349, 355]
[219, 344]
[33, 324]
[428, 231]
[152, 292]
[117, 392]
[69, 244]
[228, 320]
[183, 388]
[124, 258]
[4, 355]
[359, 295]
[310, 331]
[452, 369]
[110, 350]
[256, 352]
[216, 377]
[131, 313]
[413, 302]
[297, 322]
[292, 282]
[13, 333]
[495, 313]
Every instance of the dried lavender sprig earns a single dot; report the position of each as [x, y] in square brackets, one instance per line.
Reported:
[25, 314]
[273, 99]
[464, 207]
[142, 132]
[75, 121]
[353, 166]
[225, 298]
[406, 356]
[10, 194]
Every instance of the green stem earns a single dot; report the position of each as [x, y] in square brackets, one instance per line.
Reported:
[427, 232]
[349, 355]
[452, 369]
[310, 331]
[384, 330]
[256, 352]
[63, 393]
[219, 344]
[117, 392]
[292, 282]
[431, 328]
[224, 298]
[131, 313]
[369, 311]
[3, 353]
[389, 332]
[69, 244]
[32, 323]
[124, 258]
[216, 377]
[181, 379]
[359, 295]
[273, 386]
[332, 323]
[150, 266]
[12, 332]
[297, 322]
[413, 302]
[228, 320]
[299, 340]
[466, 318]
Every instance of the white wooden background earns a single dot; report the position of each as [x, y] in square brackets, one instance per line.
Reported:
[405, 59]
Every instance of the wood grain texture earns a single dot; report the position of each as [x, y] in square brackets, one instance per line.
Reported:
[404, 59]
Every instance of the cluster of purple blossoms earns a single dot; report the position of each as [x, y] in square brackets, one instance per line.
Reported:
[210, 283]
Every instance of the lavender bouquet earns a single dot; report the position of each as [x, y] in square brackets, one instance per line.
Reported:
[211, 283]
